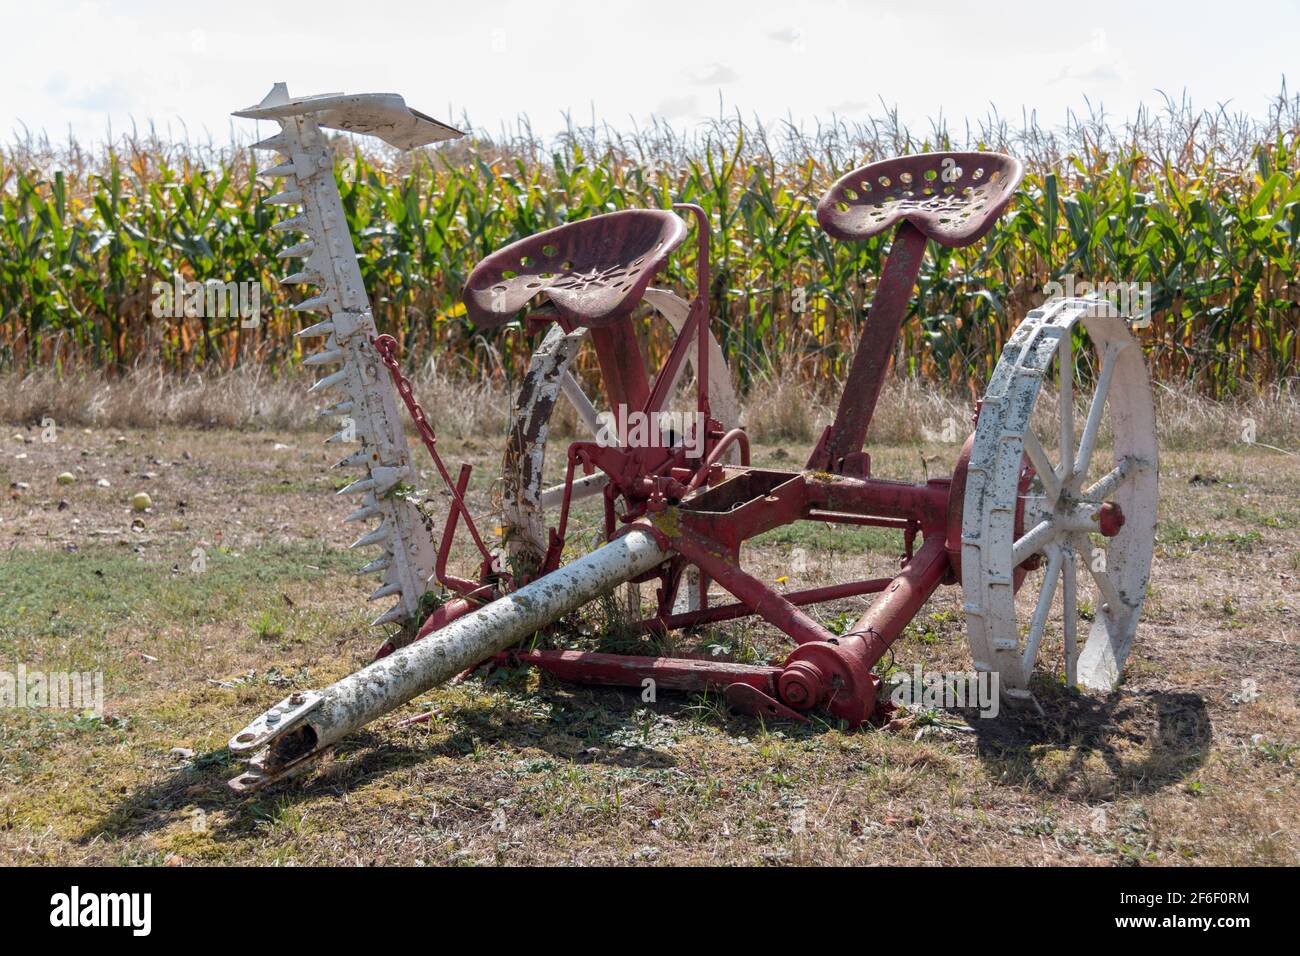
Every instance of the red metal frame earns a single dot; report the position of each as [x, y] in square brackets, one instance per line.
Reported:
[703, 510]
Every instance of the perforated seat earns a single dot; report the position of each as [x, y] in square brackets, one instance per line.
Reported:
[594, 271]
[953, 198]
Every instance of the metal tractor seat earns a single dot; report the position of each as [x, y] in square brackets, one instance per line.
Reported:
[952, 198]
[594, 271]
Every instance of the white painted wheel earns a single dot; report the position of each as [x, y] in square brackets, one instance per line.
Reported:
[524, 501]
[1080, 572]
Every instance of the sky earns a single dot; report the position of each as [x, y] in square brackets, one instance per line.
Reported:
[88, 68]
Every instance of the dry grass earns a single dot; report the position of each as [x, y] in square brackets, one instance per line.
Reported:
[247, 398]
[785, 406]
[1185, 419]
[780, 407]
[1181, 765]
[146, 398]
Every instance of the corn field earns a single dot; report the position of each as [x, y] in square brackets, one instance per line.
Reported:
[1203, 206]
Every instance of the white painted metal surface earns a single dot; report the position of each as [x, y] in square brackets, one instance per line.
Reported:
[1062, 514]
[366, 405]
[384, 115]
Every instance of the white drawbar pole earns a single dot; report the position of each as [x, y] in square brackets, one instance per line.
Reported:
[304, 724]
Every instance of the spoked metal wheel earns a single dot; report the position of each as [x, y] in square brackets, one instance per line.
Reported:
[525, 501]
[1057, 533]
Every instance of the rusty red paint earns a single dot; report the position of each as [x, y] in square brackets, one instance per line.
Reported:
[1110, 518]
[871, 360]
[872, 633]
[730, 612]
[704, 510]
[386, 346]
[952, 198]
[668, 673]
[593, 271]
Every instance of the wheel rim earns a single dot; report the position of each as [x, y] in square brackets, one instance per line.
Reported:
[1080, 569]
[524, 500]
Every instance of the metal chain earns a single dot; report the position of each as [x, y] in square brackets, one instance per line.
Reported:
[386, 346]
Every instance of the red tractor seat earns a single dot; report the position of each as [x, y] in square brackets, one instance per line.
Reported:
[953, 198]
[594, 271]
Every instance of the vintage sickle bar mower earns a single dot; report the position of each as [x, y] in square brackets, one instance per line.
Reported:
[1014, 524]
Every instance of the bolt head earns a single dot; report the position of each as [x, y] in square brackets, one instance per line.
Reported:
[800, 685]
[1110, 518]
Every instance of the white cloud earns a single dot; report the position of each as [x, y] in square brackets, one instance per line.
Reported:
[716, 74]
[83, 64]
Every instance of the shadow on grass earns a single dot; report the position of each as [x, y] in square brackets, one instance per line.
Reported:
[591, 726]
[1146, 739]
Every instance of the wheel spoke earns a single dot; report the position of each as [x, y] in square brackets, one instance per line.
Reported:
[1107, 485]
[1046, 593]
[1032, 541]
[1112, 603]
[1088, 440]
[581, 404]
[1066, 386]
[583, 488]
[1043, 465]
[1069, 624]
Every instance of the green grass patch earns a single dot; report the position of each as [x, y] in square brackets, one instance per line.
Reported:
[1281, 520]
[54, 596]
[833, 539]
[1179, 536]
